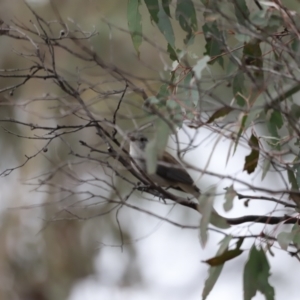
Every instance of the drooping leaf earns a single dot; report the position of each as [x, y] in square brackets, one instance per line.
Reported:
[276, 119]
[163, 93]
[222, 112]
[185, 13]
[241, 130]
[292, 180]
[251, 160]
[214, 272]
[209, 214]
[238, 88]
[165, 26]
[213, 38]
[153, 8]
[256, 275]
[229, 197]
[241, 11]
[296, 232]
[221, 259]
[135, 23]
[252, 56]
[172, 53]
[206, 203]
[265, 168]
[166, 7]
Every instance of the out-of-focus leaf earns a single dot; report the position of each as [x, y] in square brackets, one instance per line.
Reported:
[172, 53]
[221, 259]
[276, 119]
[163, 93]
[186, 15]
[166, 7]
[295, 111]
[292, 180]
[242, 128]
[214, 272]
[200, 66]
[256, 275]
[209, 214]
[213, 38]
[222, 112]
[284, 238]
[241, 11]
[265, 168]
[238, 88]
[296, 169]
[274, 122]
[153, 8]
[251, 160]
[165, 27]
[296, 232]
[206, 202]
[229, 196]
[135, 23]
[252, 56]
[239, 243]
[295, 45]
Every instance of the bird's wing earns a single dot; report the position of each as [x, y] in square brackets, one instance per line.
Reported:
[172, 173]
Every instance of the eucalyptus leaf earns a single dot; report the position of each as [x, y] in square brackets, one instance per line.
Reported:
[135, 23]
[229, 197]
[214, 272]
[256, 275]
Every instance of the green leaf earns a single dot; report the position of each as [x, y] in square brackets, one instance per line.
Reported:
[241, 10]
[172, 53]
[214, 272]
[166, 7]
[238, 88]
[153, 8]
[265, 168]
[221, 259]
[292, 180]
[296, 232]
[165, 26]
[229, 196]
[256, 275]
[242, 128]
[251, 160]
[163, 93]
[206, 202]
[213, 38]
[276, 119]
[221, 112]
[186, 15]
[200, 66]
[209, 214]
[135, 23]
[252, 56]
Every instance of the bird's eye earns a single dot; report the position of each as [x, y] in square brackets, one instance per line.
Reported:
[143, 139]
